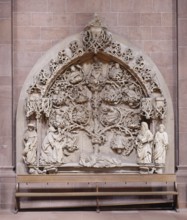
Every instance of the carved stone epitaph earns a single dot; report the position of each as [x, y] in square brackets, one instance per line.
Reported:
[97, 105]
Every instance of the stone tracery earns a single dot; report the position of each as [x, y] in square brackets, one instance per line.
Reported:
[93, 107]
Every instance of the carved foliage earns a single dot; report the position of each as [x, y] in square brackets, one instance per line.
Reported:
[95, 37]
[105, 103]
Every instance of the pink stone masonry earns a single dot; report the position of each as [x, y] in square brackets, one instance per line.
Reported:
[39, 24]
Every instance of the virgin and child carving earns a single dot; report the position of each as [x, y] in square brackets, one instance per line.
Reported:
[96, 112]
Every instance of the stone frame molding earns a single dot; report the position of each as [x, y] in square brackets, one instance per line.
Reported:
[94, 43]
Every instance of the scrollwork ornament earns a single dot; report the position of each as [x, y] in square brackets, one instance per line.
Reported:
[146, 74]
[95, 37]
[93, 106]
[160, 107]
[131, 119]
[73, 46]
[53, 65]
[109, 115]
[111, 95]
[80, 115]
[147, 109]
[76, 50]
[115, 49]
[139, 65]
[42, 77]
[46, 106]
[140, 61]
[127, 56]
[63, 57]
[33, 107]
[37, 107]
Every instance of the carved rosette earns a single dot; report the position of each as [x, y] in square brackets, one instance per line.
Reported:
[92, 107]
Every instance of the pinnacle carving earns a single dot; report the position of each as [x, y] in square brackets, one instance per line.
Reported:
[96, 37]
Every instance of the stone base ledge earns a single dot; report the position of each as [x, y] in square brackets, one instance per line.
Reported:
[182, 173]
[182, 207]
[7, 171]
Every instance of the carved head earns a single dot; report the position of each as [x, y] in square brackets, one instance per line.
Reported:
[52, 129]
[31, 126]
[144, 126]
[161, 128]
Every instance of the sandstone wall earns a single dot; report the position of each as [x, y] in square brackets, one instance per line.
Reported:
[28, 28]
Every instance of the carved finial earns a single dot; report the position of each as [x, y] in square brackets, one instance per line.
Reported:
[95, 36]
[95, 22]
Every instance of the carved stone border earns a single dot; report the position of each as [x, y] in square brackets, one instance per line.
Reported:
[77, 47]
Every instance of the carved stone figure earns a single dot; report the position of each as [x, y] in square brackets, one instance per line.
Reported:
[69, 145]
[101, 90]
[79, 95]
[98, 161]
[144, 145]
[95, 80]
[109, 115]
[115, 72]
[51, 147]
[76, 75]
[97, 140]
[30, 143]
[111, 95]
[80, 114]
[59, 117]
[121, 144]
[131, 96]
[161, 144]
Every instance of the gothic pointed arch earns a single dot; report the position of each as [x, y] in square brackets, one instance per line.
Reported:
[84, 104]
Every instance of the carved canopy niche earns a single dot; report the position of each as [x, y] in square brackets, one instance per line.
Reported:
[95, 103]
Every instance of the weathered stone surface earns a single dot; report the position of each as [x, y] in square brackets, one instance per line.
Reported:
[97, 103]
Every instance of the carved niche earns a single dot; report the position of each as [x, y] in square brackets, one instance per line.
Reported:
[95, 107]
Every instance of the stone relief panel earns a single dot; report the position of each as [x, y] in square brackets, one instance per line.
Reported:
[97, 106]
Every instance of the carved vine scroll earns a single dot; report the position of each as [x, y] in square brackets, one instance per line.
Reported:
[96, 106]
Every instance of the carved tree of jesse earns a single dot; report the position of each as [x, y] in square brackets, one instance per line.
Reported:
[96, 106]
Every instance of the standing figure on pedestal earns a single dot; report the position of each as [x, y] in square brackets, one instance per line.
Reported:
[161, 143]
[30, 143]
[144, 145]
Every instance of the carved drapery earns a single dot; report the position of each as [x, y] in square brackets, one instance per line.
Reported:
[88, 106]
